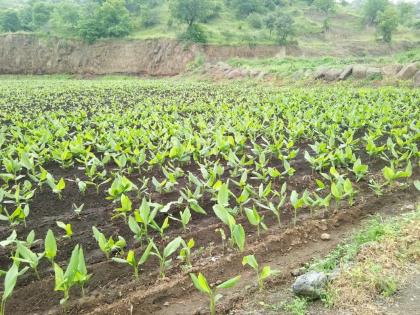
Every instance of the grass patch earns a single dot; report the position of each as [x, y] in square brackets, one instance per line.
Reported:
[376, 262]
[297, 306]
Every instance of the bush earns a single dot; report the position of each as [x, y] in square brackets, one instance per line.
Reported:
[255, 20]
[149, 18]
[194, 34]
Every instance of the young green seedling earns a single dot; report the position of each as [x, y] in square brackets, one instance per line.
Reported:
[359, 169]
[25, 255]
[262, 274]
[237, 232]
[109, 246]
[131, 259]
[76, 274]
[185, 218]
[297, 203]
[66, 227]
[126, 207]
[10, 280]
[185, 252]
[255, 219]
[201, 284]
[50, 246]
[164, 257]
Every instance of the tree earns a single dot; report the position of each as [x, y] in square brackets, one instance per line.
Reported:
[325, 6]
[283, 27]
[192, 11]
[65, 18]
[40, 14]
[372, 8]
[387, 23]
[407, 12]
[111, 19]
[114, 18]
[9, 21]
[243, 8]
[282, 24]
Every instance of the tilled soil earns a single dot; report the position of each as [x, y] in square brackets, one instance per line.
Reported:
[113, 290]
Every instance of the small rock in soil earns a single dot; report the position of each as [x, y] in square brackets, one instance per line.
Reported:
[298, 272]
[325, 236]
[310, 284]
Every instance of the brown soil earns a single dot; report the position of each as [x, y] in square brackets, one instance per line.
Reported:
[112, 289]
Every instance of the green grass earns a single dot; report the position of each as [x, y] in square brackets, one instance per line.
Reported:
[374, 231]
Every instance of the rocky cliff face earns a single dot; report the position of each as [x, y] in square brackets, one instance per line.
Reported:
[26, 54]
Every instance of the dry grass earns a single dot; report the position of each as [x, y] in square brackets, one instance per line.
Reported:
[380, 269]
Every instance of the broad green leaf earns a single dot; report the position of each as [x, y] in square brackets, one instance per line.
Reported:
[229, 283]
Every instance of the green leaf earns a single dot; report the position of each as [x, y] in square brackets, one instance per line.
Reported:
[196, 207]
[252, 216]
[229, 283]
[239, 236]
[146, 253]
[266, 272]
[72, 267]
[172, 247]
[61, 184]
[200, 283]
[10, 281]
[389, 173]
[50, 245]
[59, 278]
[223, 195]
[251, 261]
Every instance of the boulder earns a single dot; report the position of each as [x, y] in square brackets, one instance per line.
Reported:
[320, 73]
[234, 74]
[298, 75]
[310, 284]
[325, 236]
[346, 73]
[391, 70]
[261, 75]
[332, 74]
[416, 79]
[372, 72]
[407, 72]
[223, 66]
[254, 73]
[359, 71]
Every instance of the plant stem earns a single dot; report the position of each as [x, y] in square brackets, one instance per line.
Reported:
[212, 304]
[136, 272]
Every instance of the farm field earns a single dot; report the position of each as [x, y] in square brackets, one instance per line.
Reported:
[115, 195]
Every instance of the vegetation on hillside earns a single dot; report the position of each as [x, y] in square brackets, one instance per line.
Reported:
[217, 21]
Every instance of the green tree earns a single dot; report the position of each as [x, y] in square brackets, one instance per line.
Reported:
[111, 19]
[114, 19]
[283, 27]
[387, 23]
[372, 8]
[192, 11]
[25, 17]
[65, 18]
[406, 12]
[41, 12]
[9, 21]
[243, 8]
[327, 7]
